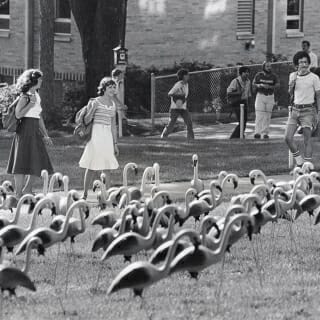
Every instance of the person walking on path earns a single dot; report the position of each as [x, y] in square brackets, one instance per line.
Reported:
[265, 83]
[240, 84]
[28, 154]
[101, 150]
[178, 95]
[304, 88]
[313, 57]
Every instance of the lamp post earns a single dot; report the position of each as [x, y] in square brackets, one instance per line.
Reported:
[121, 61]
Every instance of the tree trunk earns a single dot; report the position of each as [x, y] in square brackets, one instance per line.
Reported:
[100, 25]
[47, 60]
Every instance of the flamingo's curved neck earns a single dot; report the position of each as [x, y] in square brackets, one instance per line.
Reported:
[66, 185]
[125, 175]
[213, 195]
[195, 170]
[186, 233]
[292, 200]
[34, 218]
[17, 213]
[169, 233]
[51, 183]
[123, 220]
[156, 176]
[152, 233]
[144, 179]
[45, 182]
[64, 228]
[224, 240]
[26, 267]
[103, 192]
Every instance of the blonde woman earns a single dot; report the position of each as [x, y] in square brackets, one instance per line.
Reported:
[28, 155]
[101, 150]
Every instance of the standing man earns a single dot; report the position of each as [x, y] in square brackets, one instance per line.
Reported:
[240, 84]
[304, 87]
[313, 57]
[178, 95]
[265, 83]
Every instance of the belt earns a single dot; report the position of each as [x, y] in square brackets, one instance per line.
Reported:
[266, 94]
[302, 106]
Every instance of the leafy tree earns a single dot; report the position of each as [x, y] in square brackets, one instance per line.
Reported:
[100, 25]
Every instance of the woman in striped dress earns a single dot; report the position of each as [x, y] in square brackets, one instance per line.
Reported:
[101, 150]
[28, 155]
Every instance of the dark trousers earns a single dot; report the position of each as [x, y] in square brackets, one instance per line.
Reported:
[174, 114]
[236, 109]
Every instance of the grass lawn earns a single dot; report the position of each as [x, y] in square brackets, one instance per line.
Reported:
[174, 157]
[275, 276]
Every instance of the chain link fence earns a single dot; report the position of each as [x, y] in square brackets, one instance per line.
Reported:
[207, 89]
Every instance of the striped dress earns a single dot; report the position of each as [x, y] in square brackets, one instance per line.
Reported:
[99, 151]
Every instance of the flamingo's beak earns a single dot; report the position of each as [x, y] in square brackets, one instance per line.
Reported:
[252, 180]
[235, 184]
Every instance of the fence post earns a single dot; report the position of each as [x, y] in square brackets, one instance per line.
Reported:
[153, 99]
[290, 156]
[241, 120]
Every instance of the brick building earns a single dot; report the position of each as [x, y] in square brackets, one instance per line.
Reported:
[161, 32]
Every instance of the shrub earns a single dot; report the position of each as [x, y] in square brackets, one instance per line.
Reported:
[74, 98]
[7, 96]
[138, 91]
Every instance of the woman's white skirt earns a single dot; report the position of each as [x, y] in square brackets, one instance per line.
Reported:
[99, 151]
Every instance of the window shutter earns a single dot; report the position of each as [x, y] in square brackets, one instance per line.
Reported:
[245, 17]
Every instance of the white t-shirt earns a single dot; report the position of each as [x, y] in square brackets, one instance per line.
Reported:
[313, 60]
[36, 110]
[305, 87]
[179, 88]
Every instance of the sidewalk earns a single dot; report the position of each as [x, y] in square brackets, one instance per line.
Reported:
[224, 130]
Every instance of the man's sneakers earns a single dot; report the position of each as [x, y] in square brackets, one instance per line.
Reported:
[265, 136]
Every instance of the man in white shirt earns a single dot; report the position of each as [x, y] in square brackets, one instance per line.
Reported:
[313, 57]
[304, 87]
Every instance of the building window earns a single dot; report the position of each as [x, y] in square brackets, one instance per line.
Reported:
[295, 15]
[62, 22]
[4, 15]
[245, 18]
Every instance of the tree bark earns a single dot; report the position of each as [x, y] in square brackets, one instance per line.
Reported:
[47, 60]
[100, 25]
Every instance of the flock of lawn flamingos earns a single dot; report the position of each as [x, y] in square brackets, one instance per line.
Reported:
[131, 221]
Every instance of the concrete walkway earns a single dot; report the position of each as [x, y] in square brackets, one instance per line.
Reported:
[224, 130]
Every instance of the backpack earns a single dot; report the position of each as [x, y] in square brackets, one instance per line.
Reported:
[9, 119]
[83, 130]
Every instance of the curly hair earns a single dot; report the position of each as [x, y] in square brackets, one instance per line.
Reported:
[104, 83]
[181, 73]
[28, 79]
[299, 55]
